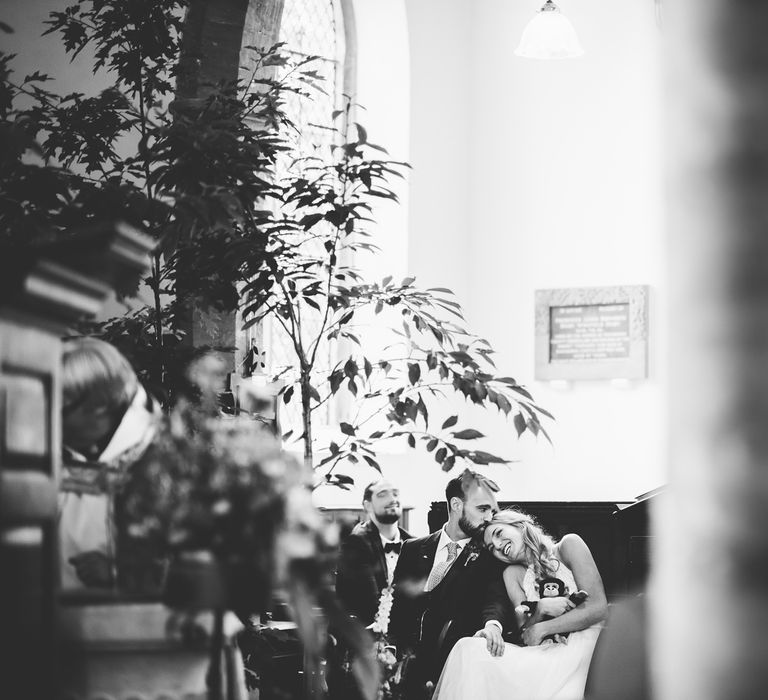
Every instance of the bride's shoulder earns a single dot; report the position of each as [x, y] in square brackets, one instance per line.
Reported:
[570, 542]
[570, 547]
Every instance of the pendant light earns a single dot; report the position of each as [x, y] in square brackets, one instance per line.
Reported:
[549, 35]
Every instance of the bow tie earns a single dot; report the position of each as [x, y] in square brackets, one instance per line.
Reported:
[392, 547]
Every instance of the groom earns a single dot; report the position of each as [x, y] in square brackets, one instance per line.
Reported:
[446, 585]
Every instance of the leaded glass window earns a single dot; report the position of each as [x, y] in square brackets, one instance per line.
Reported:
[309, 28]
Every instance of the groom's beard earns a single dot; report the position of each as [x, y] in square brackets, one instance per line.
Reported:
[468, 528]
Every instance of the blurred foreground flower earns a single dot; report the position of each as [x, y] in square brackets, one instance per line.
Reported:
[231, 514]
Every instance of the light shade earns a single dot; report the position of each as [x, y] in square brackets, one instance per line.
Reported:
[549, 35]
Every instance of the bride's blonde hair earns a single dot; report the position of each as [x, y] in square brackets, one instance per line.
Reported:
[539, 546]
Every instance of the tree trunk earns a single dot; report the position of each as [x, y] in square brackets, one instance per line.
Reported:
[710, 585]
[158, 375]
[306, 417]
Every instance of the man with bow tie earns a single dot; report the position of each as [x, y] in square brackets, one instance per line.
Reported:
[369, 555]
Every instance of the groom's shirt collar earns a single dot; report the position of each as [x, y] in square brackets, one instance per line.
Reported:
[442, 543]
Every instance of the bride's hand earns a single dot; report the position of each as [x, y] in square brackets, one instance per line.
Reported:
[554, 607]
[533, 635]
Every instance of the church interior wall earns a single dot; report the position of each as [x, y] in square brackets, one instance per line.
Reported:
[526, 175]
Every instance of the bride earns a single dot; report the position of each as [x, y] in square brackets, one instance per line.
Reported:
[558, 635]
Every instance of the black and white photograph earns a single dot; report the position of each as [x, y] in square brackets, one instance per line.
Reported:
[383, 350]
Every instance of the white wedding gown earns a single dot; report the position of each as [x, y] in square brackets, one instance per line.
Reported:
[546, 672]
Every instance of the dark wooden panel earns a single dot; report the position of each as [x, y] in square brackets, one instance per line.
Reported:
[633, 524]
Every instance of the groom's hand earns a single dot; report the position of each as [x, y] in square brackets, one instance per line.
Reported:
[493, 639]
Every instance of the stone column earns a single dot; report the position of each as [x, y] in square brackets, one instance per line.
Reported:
[709, 622]
[214, 33]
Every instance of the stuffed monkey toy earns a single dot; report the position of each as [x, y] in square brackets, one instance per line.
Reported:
[551, 587]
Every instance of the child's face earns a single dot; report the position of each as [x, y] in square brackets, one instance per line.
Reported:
[86, 425]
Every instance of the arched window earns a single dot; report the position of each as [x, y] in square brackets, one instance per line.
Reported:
[321, 28]
[317, 28]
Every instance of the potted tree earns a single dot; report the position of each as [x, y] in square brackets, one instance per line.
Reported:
[192, 178]
[317, 296]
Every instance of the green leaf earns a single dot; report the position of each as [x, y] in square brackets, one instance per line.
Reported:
[411, 440]
[522, 391]
[414, 372]
[347, 429]
[287, 395]
[362, 134]
[519, 423]
[479, 457]
[450, 422]
[324, 461]
[542, 411]
[350, 368]
[335, 380]
[468, 434]
[310, 220]
[432, 444]
[421, 407]
[440, 455]
[506, 380]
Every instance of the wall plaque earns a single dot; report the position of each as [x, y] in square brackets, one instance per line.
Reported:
[592, 333]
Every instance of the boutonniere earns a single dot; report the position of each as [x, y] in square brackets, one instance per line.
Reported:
[474, 553]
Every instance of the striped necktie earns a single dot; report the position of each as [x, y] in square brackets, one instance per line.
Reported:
[440, 570]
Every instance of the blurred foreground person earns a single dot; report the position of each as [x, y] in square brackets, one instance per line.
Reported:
[108, 422]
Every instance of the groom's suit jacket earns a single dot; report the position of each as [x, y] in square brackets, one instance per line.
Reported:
[470, 594]
[362, 571]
